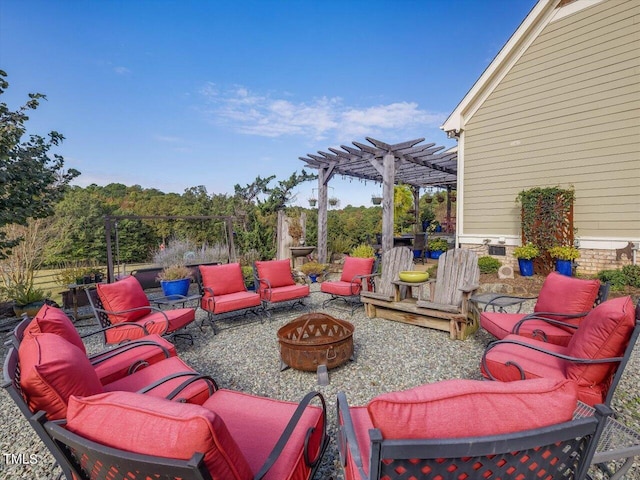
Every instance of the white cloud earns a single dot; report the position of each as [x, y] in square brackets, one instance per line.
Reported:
[121, 70]
[266, 115]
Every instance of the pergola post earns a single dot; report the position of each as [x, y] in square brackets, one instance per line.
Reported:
[388, 181]
[323, 179]
[417, 227]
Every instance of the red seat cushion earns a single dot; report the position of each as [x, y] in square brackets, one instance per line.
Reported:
[563, 294]
[197, 392]
[604, 333]
[282, 294]
[467, 408]
[51, 370]
[53, 320]
[502, 324]
[158, 427]
[278, 272]
[223, 279]
[130, 355]
[256, 423]
[155, 323]
[230, 302]
[354, 266]
[341, 288]
[123, 295]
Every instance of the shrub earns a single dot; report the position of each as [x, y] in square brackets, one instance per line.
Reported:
[362, 251]
[632, 275]
[616, 278]
[340, 244]
[526, 252]
[174, 272]
[247, 275]
[433, 271]
[313, 268]
[565, 252]
[438, 244]
[249, 257]
[489, 264]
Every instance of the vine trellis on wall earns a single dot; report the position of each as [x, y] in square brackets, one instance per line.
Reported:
[547, 221]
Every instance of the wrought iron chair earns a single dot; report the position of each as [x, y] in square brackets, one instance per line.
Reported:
[355, 277]
[276, 286]
[561, 300]
[595, 357]
[561, 447]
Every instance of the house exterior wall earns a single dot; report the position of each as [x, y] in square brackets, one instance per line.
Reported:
[567, 114]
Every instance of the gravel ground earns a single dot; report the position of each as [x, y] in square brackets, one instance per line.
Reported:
[389, 356]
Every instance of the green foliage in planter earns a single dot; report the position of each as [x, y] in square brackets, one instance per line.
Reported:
[25, 294]
[632, 275]
[438, 244]
[174, 272]
[489, 264]
[362, 251]
[526, 252]
[564, 252]
[247, 275]
[313, 268]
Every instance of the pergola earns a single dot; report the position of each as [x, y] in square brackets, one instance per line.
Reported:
[408, 163]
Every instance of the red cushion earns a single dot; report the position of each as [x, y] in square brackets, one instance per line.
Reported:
[361, 424]
[563, 294]
[256, 423]
[230, 302]
[468, 408]
[223, 279]
[278, 272]
[155, 322]
[53, 320]
[604, 333]
[130, 355]
[356, 266]
[197, 392]
[283, 294]
[123, 295]
[502, 324]
[51, 370]
[158, 427]
[341, 288]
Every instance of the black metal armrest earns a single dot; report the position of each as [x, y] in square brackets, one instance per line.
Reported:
[123, 347]
[550, 321]
[168, 378]
[212, 385]
[347, 436]
[117, 325]
[286, 434]
[586, 361]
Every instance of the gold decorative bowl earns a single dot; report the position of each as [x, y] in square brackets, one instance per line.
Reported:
[414, 276]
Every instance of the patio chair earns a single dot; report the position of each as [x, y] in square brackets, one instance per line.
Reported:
[109, 365]
[276, 285]
[125, 304]
[356, 276]
[224, 293]
[469, 429]
[457, 279]
[595, 357]
[562, 300]
[394, 261]
[231, 436]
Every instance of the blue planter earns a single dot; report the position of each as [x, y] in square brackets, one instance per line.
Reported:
[435, 253]
[313, 277]
[564, 267]
[526, 267]
[417, 253]
[175, 287]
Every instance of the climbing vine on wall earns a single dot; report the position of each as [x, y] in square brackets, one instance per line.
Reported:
[547, 220]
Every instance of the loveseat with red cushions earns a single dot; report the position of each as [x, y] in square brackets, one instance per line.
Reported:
[594, 358]
[224, 292]
[561, 305]
[276, 285]
[469, 429]
[124, 303]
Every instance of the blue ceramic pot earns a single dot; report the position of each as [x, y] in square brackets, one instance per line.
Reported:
[564, 267]
[175, 287]
[435, 253]
[526, 267]
[313, 277]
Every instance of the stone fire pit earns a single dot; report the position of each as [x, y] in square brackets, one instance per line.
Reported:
[315, 342]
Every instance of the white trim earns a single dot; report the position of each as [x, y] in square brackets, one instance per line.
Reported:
[515, 47]
[586, 243]
[572, 8]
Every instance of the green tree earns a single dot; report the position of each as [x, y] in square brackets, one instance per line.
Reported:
[31, 178]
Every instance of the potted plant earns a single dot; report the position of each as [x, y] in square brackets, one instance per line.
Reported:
[175, 280]
[334, 201]
[525, 255]
[313, 201]
[313, 270]
[376, 199]
[437, 246]
[564, 255]
[248, 277]
[440, 197]
[27, 299]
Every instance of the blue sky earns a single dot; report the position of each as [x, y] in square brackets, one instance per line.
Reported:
[175, 94]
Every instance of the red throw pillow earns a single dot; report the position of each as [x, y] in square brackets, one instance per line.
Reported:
[562, 294]
[124, 295]
[155, 426]
[51, 370]
[604, 333]
[356, 266]
[53, 320]
[278, 272]
[223, 279]
[470, 408]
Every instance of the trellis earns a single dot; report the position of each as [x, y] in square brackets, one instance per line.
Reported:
[406, 163]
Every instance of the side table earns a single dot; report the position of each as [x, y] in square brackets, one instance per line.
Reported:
[499, 300]
[173, 301]
[399, 283]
